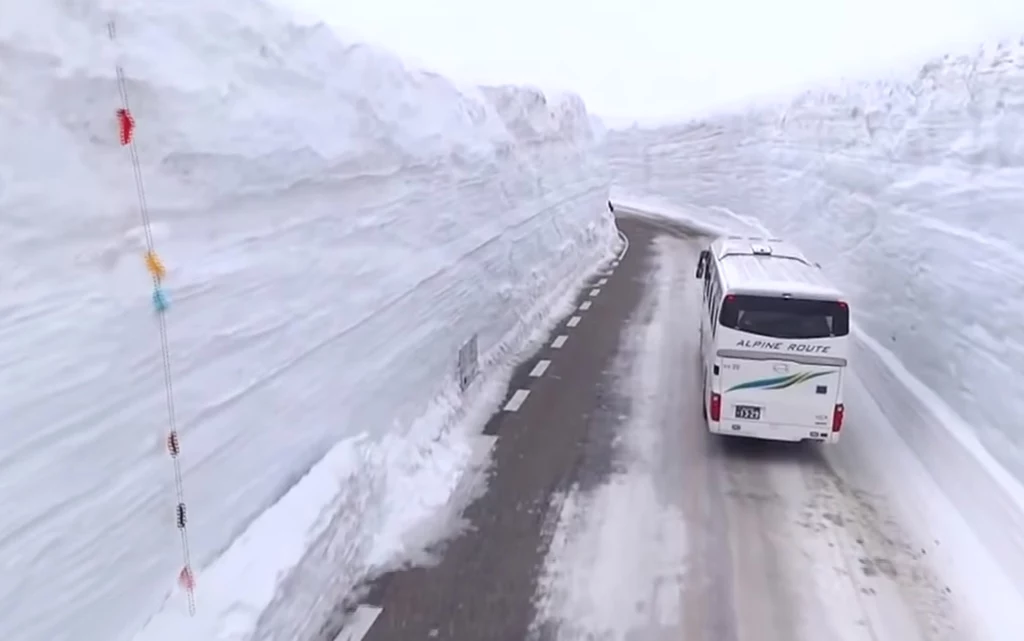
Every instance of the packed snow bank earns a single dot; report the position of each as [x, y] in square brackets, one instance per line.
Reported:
[335, 228]
[907, 192]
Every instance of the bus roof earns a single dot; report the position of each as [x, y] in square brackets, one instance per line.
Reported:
[769, 266]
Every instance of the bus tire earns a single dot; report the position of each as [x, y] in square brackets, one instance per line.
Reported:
[704, 401]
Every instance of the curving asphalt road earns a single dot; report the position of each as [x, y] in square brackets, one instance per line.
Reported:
[611, 514]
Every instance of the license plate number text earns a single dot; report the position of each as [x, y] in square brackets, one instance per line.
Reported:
[748, 412]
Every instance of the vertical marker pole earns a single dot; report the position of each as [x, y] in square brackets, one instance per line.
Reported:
[157, 271]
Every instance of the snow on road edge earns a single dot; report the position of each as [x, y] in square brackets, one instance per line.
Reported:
[944, 495]
[613, 543]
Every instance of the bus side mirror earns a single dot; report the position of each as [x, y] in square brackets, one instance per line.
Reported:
[700, 263]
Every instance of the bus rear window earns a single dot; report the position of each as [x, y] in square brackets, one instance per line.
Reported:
[787, 318]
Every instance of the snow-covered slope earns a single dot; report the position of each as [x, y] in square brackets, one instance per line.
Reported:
[909, 192]
[334, 227]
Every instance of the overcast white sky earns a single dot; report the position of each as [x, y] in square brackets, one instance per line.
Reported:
[657, 58]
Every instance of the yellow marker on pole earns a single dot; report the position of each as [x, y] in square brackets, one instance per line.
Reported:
[155, 266]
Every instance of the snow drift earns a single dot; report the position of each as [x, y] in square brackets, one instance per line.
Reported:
[334, 226]
[908, 192]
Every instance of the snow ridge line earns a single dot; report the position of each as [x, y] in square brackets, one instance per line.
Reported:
[126, 122]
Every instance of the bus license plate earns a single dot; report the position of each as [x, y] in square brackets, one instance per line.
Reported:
[748, 412]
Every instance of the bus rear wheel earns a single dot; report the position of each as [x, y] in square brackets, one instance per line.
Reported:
[704, 402]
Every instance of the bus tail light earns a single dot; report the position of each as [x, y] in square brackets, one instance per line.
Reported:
[716, 407]
[837, 417]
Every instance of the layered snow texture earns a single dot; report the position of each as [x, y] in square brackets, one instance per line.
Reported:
[907, 191]
[334, 227]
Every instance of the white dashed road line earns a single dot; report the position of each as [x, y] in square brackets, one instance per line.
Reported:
[519, 397]
[517, 400]
[539, 369]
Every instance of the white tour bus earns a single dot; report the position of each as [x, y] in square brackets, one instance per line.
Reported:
[774, 342]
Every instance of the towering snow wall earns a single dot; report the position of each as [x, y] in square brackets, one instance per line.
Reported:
[334, 227]
[909, 193]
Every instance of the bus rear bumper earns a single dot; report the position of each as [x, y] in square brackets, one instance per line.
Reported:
[773, 431]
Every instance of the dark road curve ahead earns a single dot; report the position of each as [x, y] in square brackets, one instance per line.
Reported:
[483, 587]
